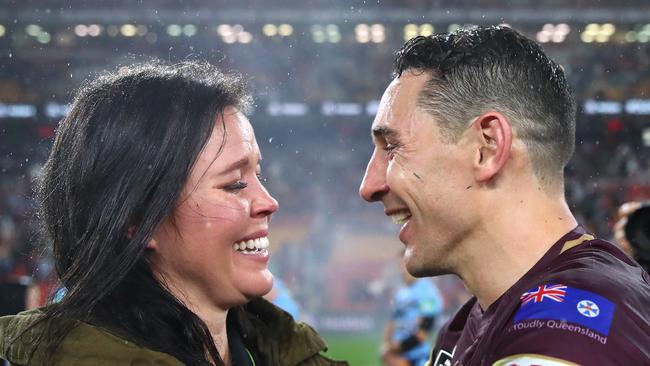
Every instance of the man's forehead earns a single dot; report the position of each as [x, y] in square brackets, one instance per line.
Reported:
[398, 102]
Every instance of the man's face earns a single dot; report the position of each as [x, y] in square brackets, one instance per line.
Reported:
[424, 183]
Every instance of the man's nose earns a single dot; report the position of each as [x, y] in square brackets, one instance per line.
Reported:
[373, 186]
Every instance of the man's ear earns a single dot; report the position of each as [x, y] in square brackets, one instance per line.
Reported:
[494, 134]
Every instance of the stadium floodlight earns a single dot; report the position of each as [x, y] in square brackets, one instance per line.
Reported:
[94, 30]
[426, 30]
[362, 33]
[3, 30]
[224, 30]
[558, 37]
[270, 30]
[230, 38]
[377, 33]
[237, 28]
[645, 136]
[81, 30]
[244, 37]
[285, 30]
[33, 30]
[607, 29]
[332, 32]
[543, 36]
[189, 30]
[317, 33]
[174, 30]
[410, 31]
[128, 30]
[551, 32]
[598, 32]
[563, 28]
[592, 29]
[43, 38]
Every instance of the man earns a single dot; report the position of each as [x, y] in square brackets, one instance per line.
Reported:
[416, 305]
[632, 231]
[471, 138]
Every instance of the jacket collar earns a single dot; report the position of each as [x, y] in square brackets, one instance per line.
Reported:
[275, 336]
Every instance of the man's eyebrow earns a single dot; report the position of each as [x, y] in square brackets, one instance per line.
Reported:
[384, 132]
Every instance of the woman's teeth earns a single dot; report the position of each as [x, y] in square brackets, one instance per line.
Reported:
[252, 245]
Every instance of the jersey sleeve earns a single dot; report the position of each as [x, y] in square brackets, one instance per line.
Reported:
[563, 325]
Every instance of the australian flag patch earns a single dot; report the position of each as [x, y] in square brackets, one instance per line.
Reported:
[567, 304]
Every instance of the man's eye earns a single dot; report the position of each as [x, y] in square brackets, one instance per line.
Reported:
[390, 149]
[237, 186]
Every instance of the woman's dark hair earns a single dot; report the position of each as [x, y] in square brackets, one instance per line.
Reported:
[117, 168]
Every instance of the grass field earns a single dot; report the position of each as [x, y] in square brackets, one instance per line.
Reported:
[358, 350]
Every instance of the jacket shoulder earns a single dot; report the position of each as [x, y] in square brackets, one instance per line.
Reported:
[25, 339]
[88, 345]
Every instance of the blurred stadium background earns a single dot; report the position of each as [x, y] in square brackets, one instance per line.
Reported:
[317, 69]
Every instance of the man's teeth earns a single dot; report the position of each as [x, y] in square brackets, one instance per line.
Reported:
[251, 245]
[401, 217]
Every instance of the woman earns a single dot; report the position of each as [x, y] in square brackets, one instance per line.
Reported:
[152, 199]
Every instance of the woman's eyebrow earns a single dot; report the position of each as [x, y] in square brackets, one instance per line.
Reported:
[238, 164]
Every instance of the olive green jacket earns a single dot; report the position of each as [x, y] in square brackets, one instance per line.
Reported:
[273, 335]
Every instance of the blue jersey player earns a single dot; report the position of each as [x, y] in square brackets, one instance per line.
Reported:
[416, 306]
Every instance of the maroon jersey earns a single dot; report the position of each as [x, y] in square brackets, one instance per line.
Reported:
[585, 302]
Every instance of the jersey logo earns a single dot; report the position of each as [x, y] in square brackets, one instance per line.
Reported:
[551, 292]
[588, 308]
[442, 359]
[567, 305]
[532, 360]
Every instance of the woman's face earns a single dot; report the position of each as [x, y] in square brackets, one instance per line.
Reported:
[213, 251]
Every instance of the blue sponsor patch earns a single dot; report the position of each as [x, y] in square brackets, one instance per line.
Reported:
[559, 302]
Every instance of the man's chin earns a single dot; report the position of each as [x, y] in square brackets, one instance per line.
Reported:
[416, 268]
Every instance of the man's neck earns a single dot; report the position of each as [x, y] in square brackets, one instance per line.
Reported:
[510, 242]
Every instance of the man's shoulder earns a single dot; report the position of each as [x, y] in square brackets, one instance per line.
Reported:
[599, 267]
[585, 307]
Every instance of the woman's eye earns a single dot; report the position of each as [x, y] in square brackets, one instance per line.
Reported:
[237, 186]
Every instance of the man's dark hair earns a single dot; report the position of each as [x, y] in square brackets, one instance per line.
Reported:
[117, 168]
[495, 68]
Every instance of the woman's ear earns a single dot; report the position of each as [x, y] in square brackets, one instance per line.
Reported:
[495, 141]
[151, 244]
